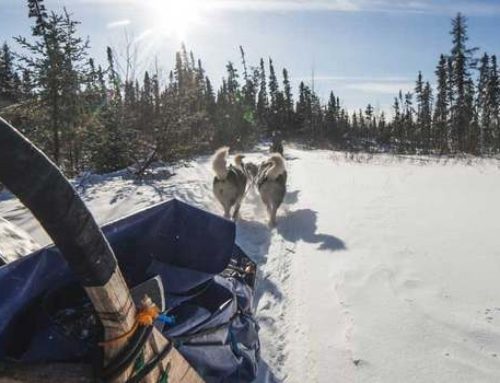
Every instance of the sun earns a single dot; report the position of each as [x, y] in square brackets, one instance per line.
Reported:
[174, 18]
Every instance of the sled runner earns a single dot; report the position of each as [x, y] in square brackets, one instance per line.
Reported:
[71, 305]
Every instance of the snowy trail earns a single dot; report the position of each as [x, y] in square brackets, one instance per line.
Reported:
[381, 269]
[317, 343]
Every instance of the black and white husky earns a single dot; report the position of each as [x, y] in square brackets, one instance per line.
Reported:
[229, 182]
[271, 183]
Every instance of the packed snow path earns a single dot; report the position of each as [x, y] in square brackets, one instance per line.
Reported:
[382, 269]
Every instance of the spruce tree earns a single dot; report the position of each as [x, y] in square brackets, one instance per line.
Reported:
[370, 122]
[462, 61]
[331, 118]
[426, 117]
[262, 99]
[483, 104]
[273, 97]
[494, 103]
[440, 118]
[288, 102]
[408, 121]
[248, 90]
[57, 59]
[9, 80]
[419, 89]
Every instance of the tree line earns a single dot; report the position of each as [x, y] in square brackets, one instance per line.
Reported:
[463, 115]
[90, 116]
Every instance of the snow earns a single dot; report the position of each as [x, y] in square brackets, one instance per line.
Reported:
[381, 268]
[14, 242]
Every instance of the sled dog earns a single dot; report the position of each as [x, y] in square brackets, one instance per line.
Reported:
[271, 183]
[229, 183]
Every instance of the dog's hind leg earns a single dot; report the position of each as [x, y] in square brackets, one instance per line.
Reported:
[227, 211]
[271, 213]
[272, 216]
[237, 206]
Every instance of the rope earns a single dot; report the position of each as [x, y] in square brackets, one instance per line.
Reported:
[146, 369]
[164, 377]
[145, 317]
[141, 329]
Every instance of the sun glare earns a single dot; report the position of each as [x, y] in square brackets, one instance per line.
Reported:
[174, 18]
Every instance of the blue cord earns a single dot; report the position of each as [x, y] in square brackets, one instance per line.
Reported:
[167, 319]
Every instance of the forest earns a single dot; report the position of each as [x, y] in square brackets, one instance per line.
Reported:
[90, 116]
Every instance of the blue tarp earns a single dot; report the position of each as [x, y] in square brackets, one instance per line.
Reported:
[187, 247]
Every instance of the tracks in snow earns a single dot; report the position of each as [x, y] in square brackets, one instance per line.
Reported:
[273, 304]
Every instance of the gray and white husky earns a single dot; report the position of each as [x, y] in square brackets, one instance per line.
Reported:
[271, 183]
[229, 183]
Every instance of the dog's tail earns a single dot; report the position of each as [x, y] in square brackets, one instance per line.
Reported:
[219, 163]
[277, 168]
[238, 160]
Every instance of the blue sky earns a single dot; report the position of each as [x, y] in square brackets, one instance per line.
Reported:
[365, 50]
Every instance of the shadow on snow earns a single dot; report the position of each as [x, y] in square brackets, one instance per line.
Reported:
[301, 225]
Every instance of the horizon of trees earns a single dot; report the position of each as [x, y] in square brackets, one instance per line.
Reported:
[92, 117]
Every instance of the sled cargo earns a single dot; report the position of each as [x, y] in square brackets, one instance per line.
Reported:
[208, 282]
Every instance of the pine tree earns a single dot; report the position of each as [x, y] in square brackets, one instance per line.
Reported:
[483, 104]
[408, 120]
[426, 117]
[232, 83]
[494, 103]
[396, 129]
[57, 59]
[38, 11]
[440, 119]
[451, 102]
[353, 136]
[273, 96]
[27, 86]
[383, 132]
[209, 97]
[288, 102]
[262, 99]
[111, 147]
[146, 101]
[462, 61]
[419, 88]
[370, 122]
[9, 85]
[331, 119]
[249, 90]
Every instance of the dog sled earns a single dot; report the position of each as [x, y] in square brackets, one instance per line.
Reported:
[162, 295]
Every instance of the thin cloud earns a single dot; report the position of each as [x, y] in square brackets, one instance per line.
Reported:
[381, 87]
[118, 23]
[284, 5]
[250, 5]
[480, 7]
[327, 78]
[142, 36]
